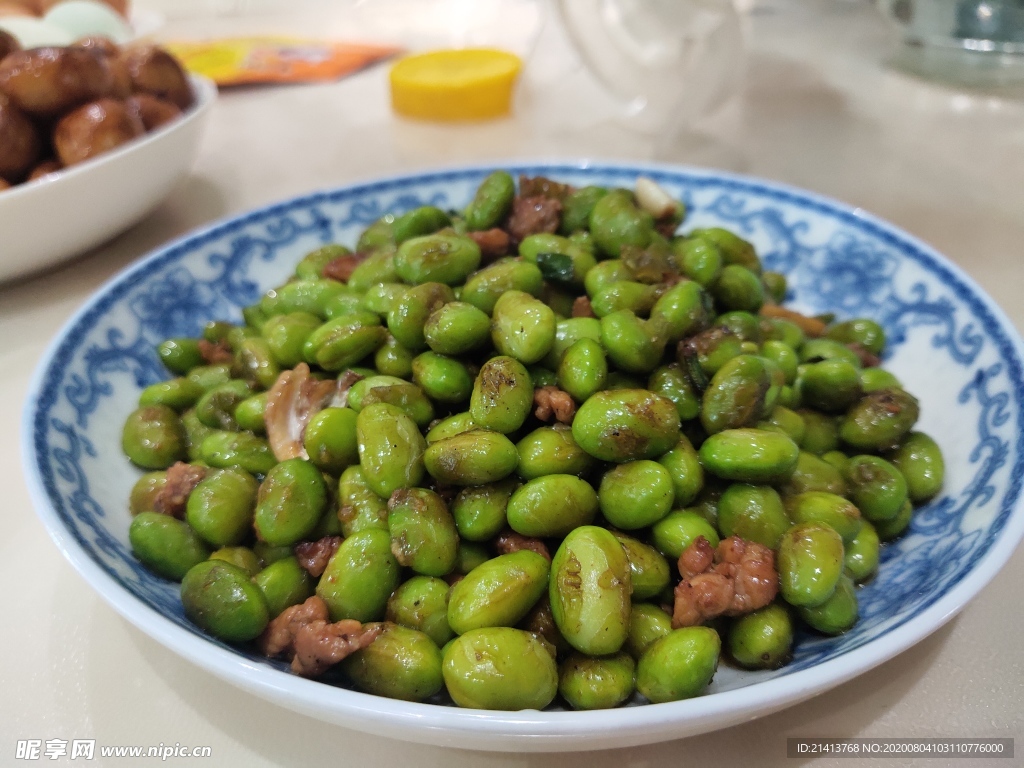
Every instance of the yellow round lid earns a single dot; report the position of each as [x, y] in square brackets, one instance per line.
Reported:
[465, 84]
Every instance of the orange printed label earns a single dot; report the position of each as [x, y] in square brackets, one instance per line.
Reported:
[250, 60]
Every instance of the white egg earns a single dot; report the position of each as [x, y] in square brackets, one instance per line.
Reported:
[35, 33]
[86, 17]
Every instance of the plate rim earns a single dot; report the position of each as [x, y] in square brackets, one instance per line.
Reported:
[528, 729]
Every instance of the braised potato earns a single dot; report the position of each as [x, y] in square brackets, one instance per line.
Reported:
[45, 168]
[48, 81]
[19, 142]
[7, 44]
[152, 111]
[154, 71]
[93, 129]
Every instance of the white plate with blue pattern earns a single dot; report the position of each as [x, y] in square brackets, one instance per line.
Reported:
[948, 342]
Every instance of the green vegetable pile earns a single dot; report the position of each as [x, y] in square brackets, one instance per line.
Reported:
[499, 459]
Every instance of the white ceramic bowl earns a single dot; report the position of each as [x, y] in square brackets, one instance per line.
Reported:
[61, 216]
[949, 344]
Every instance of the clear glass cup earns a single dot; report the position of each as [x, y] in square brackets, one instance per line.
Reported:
[967, 42]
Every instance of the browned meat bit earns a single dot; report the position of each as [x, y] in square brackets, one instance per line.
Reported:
[812, 326]
[737, 578]
[582, 307]
[315, 555]
[552, 401]
[293, 400]
[493, 244]
[531, 215]
[867, 358]
[214, 352]
[541, 186]
[342, 267]
[303, 632]
[182, 479]
[509, 541]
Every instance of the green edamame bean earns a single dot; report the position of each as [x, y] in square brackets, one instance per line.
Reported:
[786, 331]
[243, 557]
[492, 201]
[810, 562]
[457, 328]
[567, 333]
[616, 221]
[270, 554]
[312, 264]
[154, 437]
[698, 258]
[561, 261]
[417, 222]
[330, 440]
[879, 420]
[821, 507]
[589, 590]
[821, 432]
[817, 350]
[145, 491]
[286, 334]
[704, 353]
[344, 341]
[636, 494]
[408, 314]
[405, 396]
[890, 529]
[390, 449]
[216, 408]
[392, 359]
[423, 535]
[737, 395]
[648, 571]
[814, 474]
[877, 378]
[360, 508]
[479, 511]
[776, 285]
[596, 683]
[838, 613]
[647, 623]
[678, 530]
[551, 451]
[477, 457]
[378, 235]
[291, 500]
[875, 486]
[633, 344]
[249, 414]
[209, 376]
[440, 258]
[484, 287]
[165, 545]
[737, 288]
[551, 505]
[498, 592]
[605, 274]
[863, 331]
[284, 583]
[255, 363]
[785, 420]
[577, 207]
[221, 599]
[583, 370]
[753, 512]
[750, 455]
[236, 449]
[830, 385]
[626, 424]
[744, 324]
[762, 639]
[637, 297]
[542, 377]
[345, 304]
[683, 465]
[522, 327]
[470, 556]
[401, 663]
[783, 356]
[500, 668]
[378, 267]
[919, 459]
[360, 577]
[310, 296]
[453, 425]
[379, 298]
[669, 381]
[421, 603]
[179, 394]
[444, 379]
[680, 665]
[502, 395]
[220, 509]
[734, 249]
[685, 308]
[180, 355]
[861, 555]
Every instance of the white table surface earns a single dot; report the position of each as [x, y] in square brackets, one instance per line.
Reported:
[820, 110]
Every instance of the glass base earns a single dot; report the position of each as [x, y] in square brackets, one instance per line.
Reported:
[989, 70]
